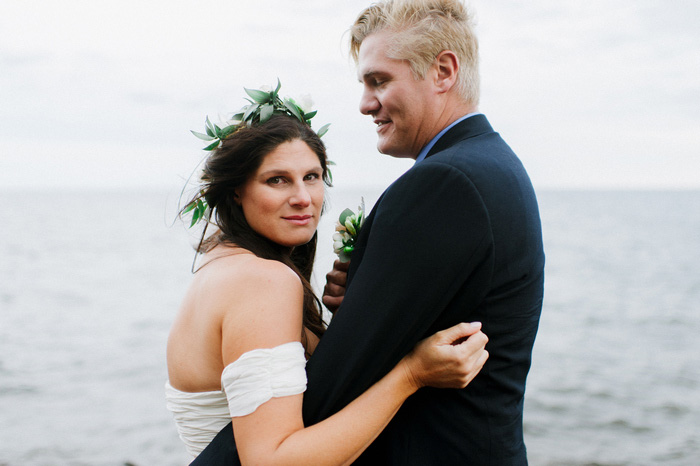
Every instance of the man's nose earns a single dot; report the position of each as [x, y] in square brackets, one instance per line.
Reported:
[368, 103]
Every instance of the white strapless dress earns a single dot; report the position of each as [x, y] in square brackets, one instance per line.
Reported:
[251, 380]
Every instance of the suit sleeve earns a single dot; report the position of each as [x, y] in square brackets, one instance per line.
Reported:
[430, 234]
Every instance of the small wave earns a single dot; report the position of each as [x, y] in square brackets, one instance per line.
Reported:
[18, 390]
[672, 410]
[621, 424]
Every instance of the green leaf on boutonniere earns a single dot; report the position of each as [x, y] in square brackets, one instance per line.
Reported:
[347, 230]
[344, 216]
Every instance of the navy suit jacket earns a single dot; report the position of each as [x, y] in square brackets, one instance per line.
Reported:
[457, 238]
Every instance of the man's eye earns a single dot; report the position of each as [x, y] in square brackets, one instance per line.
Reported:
[312, 176]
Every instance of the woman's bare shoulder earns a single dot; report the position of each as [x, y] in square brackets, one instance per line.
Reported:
[259, 303]
[245, 272]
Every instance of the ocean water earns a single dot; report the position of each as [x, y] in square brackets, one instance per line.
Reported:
[90, 282]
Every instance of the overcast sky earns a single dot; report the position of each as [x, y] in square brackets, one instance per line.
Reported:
[594, 94]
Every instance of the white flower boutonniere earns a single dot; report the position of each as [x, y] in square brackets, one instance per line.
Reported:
[347, 230]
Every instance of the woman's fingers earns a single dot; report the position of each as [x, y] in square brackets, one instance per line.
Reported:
[450, 358]
[468, 351]
[457, 333]
[474, 367]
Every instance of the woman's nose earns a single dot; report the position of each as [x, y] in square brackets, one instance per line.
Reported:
[301, 196]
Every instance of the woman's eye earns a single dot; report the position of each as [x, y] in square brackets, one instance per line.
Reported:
[312, 176]
[275, 180]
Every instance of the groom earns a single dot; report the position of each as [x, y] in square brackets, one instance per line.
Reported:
[456, 238]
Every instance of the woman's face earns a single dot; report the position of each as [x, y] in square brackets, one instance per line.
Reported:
[282, 200]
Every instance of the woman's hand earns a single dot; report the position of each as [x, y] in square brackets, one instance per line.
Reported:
[448, 359]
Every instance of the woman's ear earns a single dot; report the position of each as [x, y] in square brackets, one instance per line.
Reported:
[236, 196]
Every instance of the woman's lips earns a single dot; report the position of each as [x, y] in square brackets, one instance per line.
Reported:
[299, 219]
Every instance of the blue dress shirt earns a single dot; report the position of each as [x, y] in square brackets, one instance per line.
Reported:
[426, 149]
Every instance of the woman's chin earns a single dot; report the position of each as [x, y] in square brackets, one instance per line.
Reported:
[293, 242]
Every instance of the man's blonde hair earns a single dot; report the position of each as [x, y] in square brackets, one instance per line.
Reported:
[420, 30]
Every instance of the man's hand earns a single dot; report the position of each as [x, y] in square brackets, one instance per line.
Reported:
[334, 291]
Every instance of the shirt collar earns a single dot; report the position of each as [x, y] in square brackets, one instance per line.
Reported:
[423, 153]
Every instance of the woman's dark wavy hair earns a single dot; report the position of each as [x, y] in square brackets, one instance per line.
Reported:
[229, 167]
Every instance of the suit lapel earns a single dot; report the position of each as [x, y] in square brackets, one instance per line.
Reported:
[359, 251]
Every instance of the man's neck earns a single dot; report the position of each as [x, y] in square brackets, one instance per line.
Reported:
[454, 109]
[455, 112]
[426, 149]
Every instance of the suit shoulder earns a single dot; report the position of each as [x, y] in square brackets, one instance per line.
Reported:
[433, 172]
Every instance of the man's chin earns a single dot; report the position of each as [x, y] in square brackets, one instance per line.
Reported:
[395, 152]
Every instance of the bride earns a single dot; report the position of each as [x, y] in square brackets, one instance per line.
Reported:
[249, 320]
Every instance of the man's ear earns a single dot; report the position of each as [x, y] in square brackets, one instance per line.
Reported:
[447, 66]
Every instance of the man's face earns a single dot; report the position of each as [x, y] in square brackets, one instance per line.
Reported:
[402, 107]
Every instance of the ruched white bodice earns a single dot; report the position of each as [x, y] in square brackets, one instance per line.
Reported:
[251, 380]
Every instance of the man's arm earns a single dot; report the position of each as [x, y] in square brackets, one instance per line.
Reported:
[430, 233]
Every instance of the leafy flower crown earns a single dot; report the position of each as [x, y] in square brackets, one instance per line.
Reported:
[263, 105]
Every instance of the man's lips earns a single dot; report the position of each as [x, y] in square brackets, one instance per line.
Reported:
[299, 219]
[381, 124]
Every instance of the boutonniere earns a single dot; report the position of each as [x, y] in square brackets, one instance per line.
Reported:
[346, 231]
